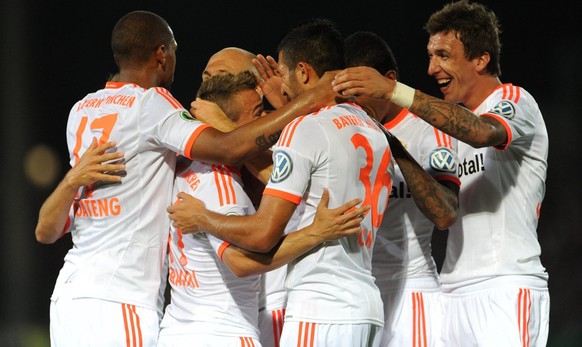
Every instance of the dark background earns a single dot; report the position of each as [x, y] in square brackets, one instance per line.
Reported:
[55, 52]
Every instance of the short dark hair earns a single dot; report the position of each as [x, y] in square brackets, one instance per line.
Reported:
[137, 35]
[221, 88]
[475, 26]
[366, 48]
[317, 42]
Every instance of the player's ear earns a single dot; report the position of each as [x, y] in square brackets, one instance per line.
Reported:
[482, 61]
[391, 74]
[161, 52]
[302, 71]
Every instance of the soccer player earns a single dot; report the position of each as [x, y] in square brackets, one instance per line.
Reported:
[332, 297]
[492, 277]
[423, 196]
[209, 303]
[255, 172]
[107, 291]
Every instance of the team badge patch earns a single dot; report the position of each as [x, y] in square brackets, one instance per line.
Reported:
[504, 108]
[186, 116]
[442, 159]
[282, 166]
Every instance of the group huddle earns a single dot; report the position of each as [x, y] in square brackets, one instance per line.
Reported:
[294, 202]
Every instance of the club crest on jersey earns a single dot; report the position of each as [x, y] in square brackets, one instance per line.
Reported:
[186, 115]
[442, 159]
[504, 108]
[282, 166]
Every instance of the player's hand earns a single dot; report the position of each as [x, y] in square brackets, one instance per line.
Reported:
[95, 166]
[186, 213]
[363, 80]
[270, 80]
[332, 224]
[324, 93]
[210, 113]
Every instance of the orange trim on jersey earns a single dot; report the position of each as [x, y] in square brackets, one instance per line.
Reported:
[223, 246]
[288, 131]
[453, 179]
[131, 322]
[523, 315]
[224, 185]
[117, 85]
[278, 318]
[443, 140]
[399, 117]
[505, 125]
[510, 92]
[163, 92]
[193, 137]
[283, 195]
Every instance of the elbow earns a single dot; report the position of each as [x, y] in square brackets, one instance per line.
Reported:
[44, 237]
[243, 271]
[444, 222]
[265, 245]
[48, 233]
[490, 135]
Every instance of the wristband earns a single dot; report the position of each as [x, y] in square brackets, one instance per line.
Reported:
[402, 95]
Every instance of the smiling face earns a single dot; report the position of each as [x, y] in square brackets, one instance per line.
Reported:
[455, 75]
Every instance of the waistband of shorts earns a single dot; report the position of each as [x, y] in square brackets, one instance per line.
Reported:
[484, 283]
[424, 283]
[274, 301]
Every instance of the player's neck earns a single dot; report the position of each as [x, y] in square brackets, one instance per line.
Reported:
[138, 76]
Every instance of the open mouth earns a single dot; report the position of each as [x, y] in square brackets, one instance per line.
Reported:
[443, 83]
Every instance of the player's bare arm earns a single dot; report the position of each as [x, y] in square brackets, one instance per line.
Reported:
[458, 121]
[91, 168]
[209, 112]
[438, 201]
[328, 225]
[259, 232]
[235, 147]
[451, 118]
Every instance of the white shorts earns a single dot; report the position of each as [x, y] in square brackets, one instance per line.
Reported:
[206, 340]
[271, 326]
[497, 313]
[412, 316]
[94, 322]
[306, 334]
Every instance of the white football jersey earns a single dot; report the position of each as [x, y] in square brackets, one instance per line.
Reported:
[205, 295]
[119, 231]
[500, 197]
[339, 148]
[403, 243]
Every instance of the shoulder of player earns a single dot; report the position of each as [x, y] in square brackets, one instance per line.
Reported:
[163, 96]
[513, 93]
